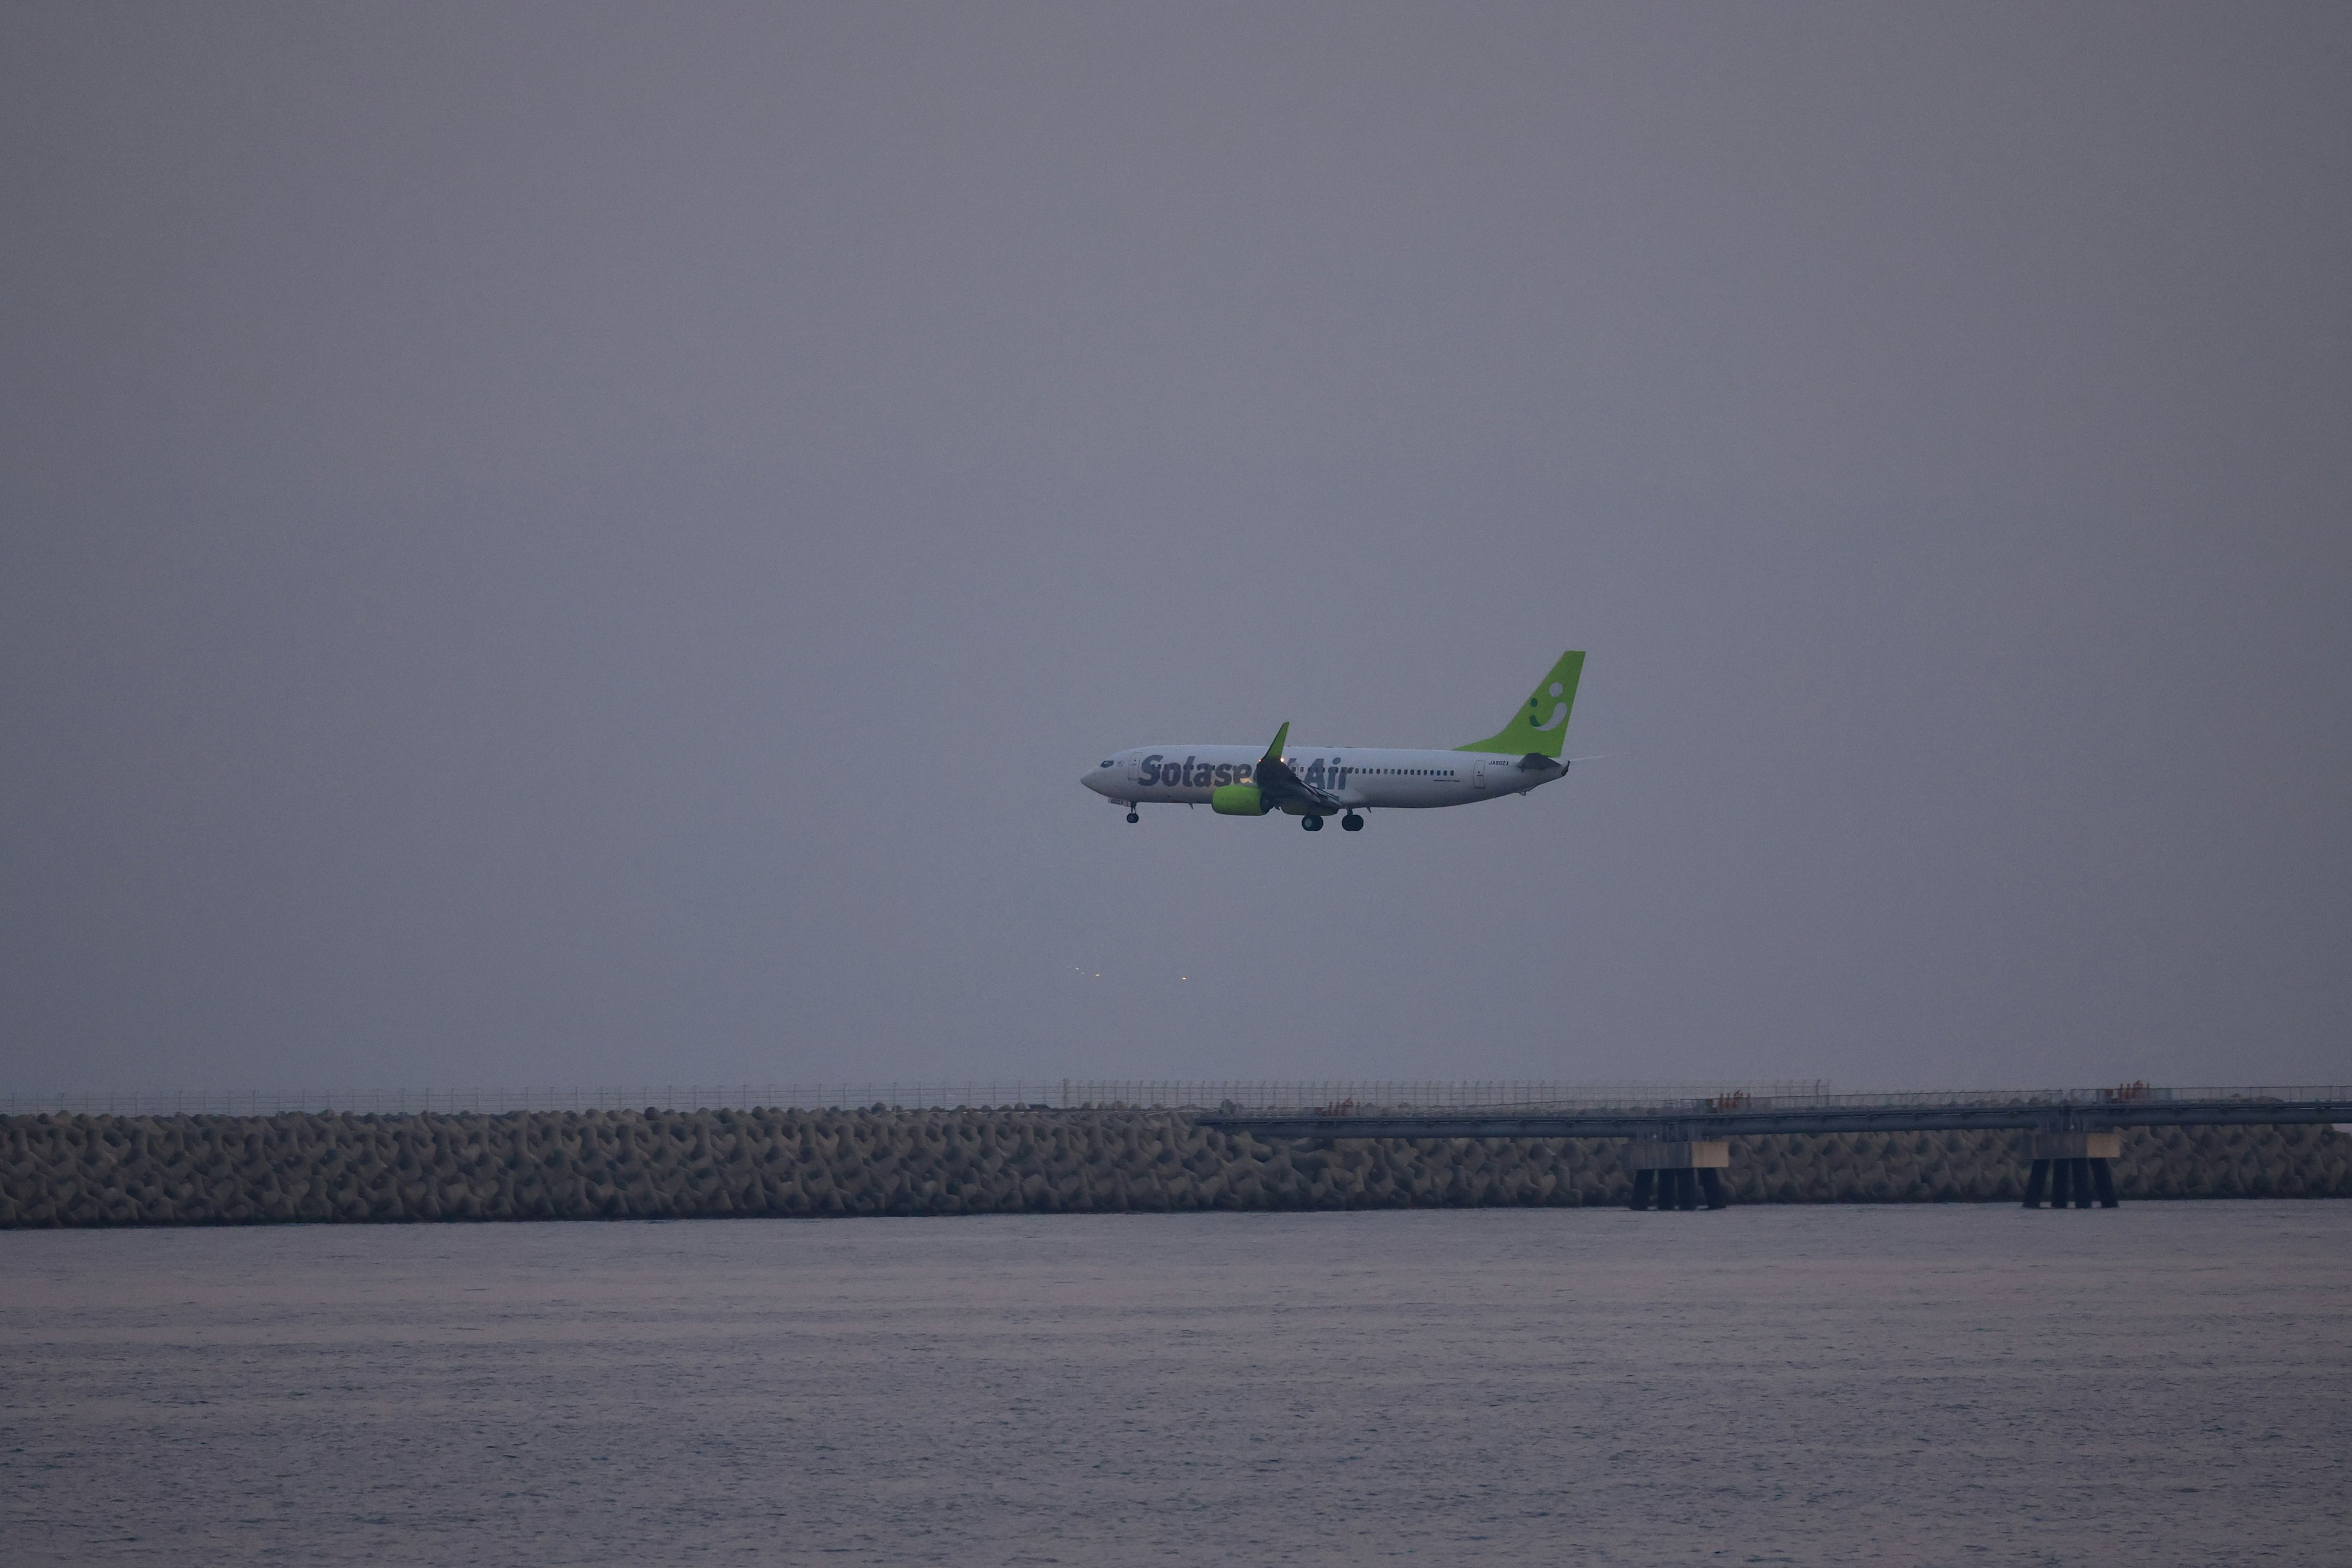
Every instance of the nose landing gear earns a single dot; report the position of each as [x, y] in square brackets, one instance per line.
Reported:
[1352, 823]
[1132, 817]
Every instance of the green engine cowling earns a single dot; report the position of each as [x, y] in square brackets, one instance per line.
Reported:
[1237, 800]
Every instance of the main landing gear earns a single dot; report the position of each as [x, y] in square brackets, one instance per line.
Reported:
[1352, 823]
[1132, 817]
[1312, 823]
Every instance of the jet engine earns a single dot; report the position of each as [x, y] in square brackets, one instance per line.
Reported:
[1237, 800]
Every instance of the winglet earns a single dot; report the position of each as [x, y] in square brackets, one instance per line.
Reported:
[1274, 752]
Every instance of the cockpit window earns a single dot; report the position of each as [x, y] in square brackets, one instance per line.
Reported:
[1110, 762]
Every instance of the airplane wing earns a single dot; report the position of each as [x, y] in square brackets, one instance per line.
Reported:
[1282, 788]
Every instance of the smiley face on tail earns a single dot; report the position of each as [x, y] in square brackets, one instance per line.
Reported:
[1535, 707]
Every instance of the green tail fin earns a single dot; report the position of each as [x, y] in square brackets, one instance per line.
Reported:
[1541, 726]
[1274, 752]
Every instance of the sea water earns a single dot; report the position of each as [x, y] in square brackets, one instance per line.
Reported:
[2164, 1384]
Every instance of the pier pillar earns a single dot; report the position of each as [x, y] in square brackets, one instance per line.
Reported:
[2079, 1167]
[1678, 1172]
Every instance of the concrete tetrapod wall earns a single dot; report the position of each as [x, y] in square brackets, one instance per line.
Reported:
[69, 1170]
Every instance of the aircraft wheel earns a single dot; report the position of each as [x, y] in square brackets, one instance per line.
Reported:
[1312, 823]
[1352, 823]
[1132, 817]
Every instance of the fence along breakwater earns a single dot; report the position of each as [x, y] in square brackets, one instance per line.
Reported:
[67, 1169]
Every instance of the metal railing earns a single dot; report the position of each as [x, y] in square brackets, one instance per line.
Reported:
[1052, 1094]
[1651, 1099]
[1328, 1097]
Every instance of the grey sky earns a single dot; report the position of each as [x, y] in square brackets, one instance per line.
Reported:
[574, 544]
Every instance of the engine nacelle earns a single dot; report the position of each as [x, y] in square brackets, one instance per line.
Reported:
[1237, 800]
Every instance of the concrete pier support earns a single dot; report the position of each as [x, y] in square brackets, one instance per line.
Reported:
[2078, 1166]
[1680, 1173]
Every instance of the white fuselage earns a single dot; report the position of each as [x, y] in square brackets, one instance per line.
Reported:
[1356, 777]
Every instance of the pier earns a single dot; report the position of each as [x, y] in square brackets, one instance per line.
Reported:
[1679, 1146]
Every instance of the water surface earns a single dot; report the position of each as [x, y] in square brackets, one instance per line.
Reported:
[2158, 1385]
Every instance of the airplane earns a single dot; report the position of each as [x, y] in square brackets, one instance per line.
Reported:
[1347, 780]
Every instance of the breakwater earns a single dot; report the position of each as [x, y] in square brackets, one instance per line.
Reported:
[78, 1170]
